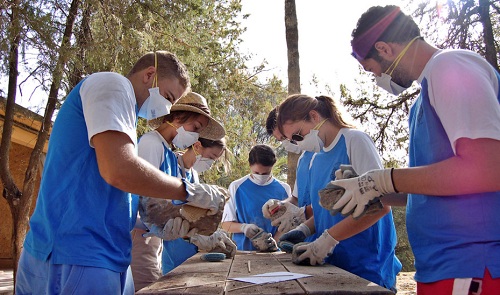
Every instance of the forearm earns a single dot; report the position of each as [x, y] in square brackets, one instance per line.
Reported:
[231, 226]
[399, 200]
[474, 169]
[350, 226]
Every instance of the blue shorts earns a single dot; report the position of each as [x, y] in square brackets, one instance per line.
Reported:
[41, 277]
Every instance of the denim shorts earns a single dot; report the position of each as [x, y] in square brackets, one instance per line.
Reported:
[42, 277]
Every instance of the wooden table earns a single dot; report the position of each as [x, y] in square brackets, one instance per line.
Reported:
[196, 276]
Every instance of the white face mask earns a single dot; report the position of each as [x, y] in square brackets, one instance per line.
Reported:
[291, 147]
[185, 139]
[155, 105]
[311, 142]
[385, 82]
[202, 164]
[260, 179]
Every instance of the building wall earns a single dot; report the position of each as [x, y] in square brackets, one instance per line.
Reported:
[18, 162]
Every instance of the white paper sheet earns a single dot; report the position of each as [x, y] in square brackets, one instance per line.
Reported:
[271, 277]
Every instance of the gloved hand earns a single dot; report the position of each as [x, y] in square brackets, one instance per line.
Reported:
[250, 230]
[344, 172]
[264, 242]
[297, 235]
[362, 192]
[211, 197]
[218, 239]
[285, 215]
[318, 250]
[173, 229]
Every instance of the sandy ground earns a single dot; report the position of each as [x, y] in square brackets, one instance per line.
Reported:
[406, 284]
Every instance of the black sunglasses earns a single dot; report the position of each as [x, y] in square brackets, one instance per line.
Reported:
[297, 136]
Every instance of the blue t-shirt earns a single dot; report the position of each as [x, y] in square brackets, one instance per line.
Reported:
[248, 199]
[79, 218]
[451, 236]
[302, 178]
[177, 251]
[371, 253]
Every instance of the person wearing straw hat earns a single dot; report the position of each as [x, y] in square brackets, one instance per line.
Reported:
[188, 119]
[197, 158]
[83, 216]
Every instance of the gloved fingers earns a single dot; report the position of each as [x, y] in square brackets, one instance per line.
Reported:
[265, 208]
[192, 232]
[346, 197]
[350, 207]
[184, 229]
[177, 224]
[277, 221]
[338, 174]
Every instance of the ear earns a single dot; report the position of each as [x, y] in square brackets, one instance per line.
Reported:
[197, 145]
[314, 116]
[384, 50]
[149, 75]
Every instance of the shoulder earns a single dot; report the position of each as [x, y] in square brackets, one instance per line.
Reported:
[235, 184]
[355, 136]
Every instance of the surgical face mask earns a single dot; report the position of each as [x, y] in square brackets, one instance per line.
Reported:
[185, 139]
[385, 80]
[311, 142]
[156, 105]
[202, 164]
[291, 147]
[260, 179]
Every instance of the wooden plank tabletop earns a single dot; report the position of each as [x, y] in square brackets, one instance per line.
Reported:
[196, 276]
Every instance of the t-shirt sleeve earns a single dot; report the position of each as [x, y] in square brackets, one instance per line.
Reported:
[362, 152]
[463, 89]
[108, 103]
[151, 149]
[229, 213]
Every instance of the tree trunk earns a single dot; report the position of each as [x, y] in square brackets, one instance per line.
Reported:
[489, 39]
[11, 192]
[20, 203]
[292, 42]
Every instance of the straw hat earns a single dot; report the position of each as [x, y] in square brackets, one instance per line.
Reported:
[194, 102]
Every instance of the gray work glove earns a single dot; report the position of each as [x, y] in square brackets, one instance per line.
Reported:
[250, 230]
[318, 250]
[173, 229]
[297, 235]
[217, 240]
[211, 197]
[285, 215]
[264, 242]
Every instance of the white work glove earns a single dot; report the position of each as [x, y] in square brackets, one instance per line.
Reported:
[296, 235]
[362, 192]
[264, 242]
[344, 172]
[287, 220]
[211, 197]
[250, 230]
[209, 243]
[318, 250]
[173, 229]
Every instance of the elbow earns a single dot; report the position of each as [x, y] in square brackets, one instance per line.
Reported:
[114, 178]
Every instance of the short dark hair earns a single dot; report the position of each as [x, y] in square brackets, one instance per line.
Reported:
[262, 154]
[402, 29]
[169, 66]
[271, 121]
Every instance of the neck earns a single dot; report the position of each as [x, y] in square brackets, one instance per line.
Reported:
[167, 132]
[330, 133]
[417, 58]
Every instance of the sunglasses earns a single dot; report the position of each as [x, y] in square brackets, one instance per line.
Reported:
[296, 137]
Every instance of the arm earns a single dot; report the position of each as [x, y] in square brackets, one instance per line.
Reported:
[474, 169]
[122, 168]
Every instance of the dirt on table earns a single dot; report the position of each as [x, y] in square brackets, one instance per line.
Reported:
[406, 285]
